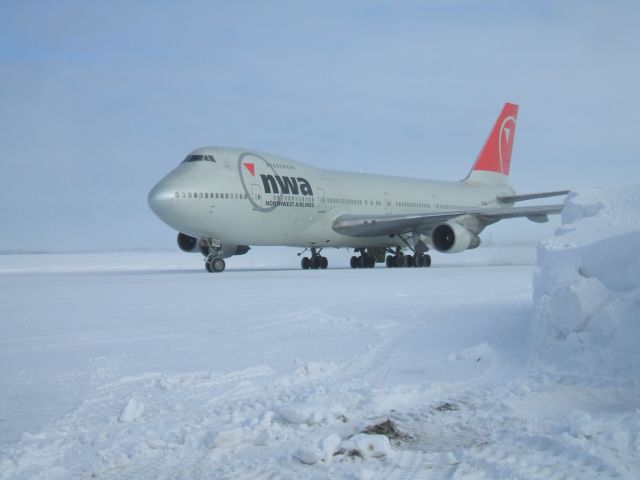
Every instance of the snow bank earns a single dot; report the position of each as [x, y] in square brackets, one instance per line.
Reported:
[587, 288]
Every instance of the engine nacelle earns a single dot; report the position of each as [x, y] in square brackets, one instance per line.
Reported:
[187, 243]
[451, 237]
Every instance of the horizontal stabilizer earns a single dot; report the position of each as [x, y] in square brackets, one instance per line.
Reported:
[530, 196]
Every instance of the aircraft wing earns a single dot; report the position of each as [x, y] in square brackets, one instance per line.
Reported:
[376, 225]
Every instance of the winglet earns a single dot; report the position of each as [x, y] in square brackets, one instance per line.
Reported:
[494, 161]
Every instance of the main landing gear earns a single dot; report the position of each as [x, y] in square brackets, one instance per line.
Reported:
[364, 260]
[315, 262]
[399, 259]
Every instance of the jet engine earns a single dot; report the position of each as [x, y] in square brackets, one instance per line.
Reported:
[187, 243]
[451, 237]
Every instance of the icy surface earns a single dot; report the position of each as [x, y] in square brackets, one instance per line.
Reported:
[143, 366]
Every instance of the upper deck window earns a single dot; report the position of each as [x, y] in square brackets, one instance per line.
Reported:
[199, 158]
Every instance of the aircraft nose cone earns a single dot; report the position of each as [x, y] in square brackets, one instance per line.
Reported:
[160, 200]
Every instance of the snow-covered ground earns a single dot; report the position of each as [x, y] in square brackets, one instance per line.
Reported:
[140, 365]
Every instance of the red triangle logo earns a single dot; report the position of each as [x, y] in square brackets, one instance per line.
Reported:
[251, 167]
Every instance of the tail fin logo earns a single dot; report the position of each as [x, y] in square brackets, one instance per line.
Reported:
[504, 145]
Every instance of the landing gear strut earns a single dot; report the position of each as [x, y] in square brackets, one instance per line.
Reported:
[315, 262]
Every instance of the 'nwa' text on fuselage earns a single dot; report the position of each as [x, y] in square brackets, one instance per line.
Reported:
[286, 185]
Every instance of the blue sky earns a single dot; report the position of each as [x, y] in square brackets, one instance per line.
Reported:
[100, 99]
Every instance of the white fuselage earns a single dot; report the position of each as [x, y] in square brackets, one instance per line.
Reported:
[251, 198]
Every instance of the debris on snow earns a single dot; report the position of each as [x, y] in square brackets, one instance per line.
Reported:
[366, 445]
[447, 407]
[387, 428]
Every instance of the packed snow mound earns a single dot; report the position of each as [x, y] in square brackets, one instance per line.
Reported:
[587, 287]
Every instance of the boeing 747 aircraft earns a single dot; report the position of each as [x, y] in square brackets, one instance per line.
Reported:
[224, 200]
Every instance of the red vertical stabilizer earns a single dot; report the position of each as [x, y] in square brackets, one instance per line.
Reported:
[495, 156]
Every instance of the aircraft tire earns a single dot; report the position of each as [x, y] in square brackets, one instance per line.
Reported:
[371, 261]
[324, 263]
[217, 265]
[315, 263]
[419, 260]
[354, 262]
[427, 261]
[390, 261]
[305, 263]
[407, 261]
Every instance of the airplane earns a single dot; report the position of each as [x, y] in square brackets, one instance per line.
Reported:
[222, 201]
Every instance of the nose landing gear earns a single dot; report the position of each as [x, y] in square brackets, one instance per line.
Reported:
[214, 264]
[213, 261]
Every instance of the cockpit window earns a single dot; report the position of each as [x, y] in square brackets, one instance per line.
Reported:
[199, 158]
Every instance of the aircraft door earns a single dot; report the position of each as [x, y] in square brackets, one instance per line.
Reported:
[387, 203]
[321, 202]
[256, 194]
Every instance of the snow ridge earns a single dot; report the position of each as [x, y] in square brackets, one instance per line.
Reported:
[587, 288]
